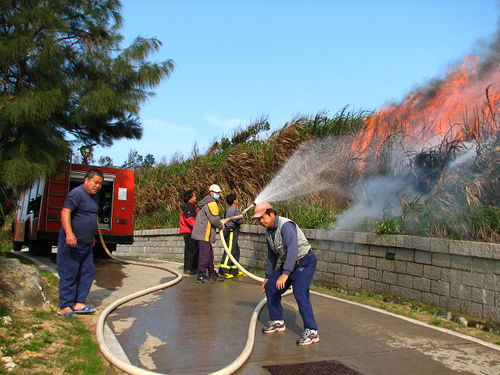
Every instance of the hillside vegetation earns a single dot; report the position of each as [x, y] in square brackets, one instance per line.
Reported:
[246, 162]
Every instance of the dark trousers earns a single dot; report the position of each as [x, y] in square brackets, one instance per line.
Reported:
[205, 258]
[226, 265]
[190, 253]
[300, 279]
[75, 266]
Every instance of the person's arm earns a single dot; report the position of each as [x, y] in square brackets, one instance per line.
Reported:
[272, 259]
[291, 243]
[213, 215]
[189, 216]
[66, 224]
[239, 221]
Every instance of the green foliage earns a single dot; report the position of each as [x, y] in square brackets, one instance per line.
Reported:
[89, 362]
[6, 235]
[242, 135]
[344, 122]
[83, 358]
[138, 162]
[36, 345]
[4, 310]
[306, 216]
[390, 226]
[250, 133]
[105, 161]
[244, 168]
[461, 205]
[160, 218]
[65, 80]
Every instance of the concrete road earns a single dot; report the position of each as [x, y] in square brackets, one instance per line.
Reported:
[193, 328]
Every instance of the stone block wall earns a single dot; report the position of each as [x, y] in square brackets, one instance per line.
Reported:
[461, 276]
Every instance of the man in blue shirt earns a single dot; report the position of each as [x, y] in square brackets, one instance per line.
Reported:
[75, 261]
[290, 262]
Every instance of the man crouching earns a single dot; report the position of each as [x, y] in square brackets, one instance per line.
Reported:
[287, 245]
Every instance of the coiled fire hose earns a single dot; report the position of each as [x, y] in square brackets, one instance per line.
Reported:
[134, 370]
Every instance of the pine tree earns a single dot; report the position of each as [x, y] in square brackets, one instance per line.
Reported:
[66, 80]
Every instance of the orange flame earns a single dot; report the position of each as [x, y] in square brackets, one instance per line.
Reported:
[461, 108]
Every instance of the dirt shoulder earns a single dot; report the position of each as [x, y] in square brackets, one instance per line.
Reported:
[35, 340]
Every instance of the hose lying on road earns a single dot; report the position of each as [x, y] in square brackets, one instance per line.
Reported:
[134, 370]
[127, 367]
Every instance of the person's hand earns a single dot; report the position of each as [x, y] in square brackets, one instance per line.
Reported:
[71, 239]
[280, 283]
[263, 286]
[93, 242]
[223, 221]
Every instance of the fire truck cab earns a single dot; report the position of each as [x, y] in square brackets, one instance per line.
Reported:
[38, 212]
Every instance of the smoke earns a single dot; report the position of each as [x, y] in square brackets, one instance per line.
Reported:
[468, 153]
[457, 109]
[315, 166]
[376, 197]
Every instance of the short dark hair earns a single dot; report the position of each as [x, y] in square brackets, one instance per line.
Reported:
[93, 172]
[188, 194]
[269, 210]
[231, 198]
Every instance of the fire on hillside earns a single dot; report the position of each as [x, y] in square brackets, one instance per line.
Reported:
[459, 108]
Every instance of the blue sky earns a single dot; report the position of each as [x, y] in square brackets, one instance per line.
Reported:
[239, 60]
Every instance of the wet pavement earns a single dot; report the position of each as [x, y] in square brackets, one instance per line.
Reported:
[193, 328]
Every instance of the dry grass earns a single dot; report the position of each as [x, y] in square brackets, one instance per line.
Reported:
[468, 194]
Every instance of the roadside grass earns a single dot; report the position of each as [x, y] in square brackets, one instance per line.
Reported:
[41, 342]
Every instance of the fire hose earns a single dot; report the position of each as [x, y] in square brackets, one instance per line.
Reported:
[134, 370]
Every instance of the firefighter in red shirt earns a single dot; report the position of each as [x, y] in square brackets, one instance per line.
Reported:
[189, 211]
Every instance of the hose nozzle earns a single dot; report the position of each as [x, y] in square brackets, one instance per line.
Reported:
[244, 212]
[240, 216]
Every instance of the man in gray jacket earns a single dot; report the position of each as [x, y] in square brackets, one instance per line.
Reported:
[204, 232]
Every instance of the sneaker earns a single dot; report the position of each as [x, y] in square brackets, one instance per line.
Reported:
[204, 280]
[274, 326]
[227, 276]
[239, 273]
[309, 337]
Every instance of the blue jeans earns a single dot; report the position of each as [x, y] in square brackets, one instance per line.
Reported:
[300, 279]
[75, 266]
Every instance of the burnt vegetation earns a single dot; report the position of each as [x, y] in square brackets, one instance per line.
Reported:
[456, 200]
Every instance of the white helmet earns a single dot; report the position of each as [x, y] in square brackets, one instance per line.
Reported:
[215, 188]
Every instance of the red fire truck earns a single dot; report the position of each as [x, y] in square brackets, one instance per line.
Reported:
[38, 212]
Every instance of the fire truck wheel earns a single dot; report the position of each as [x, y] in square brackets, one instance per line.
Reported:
[39, 247]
